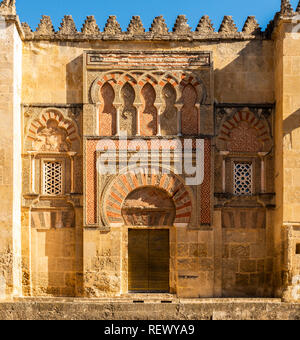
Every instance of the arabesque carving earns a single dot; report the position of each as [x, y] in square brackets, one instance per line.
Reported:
[52, 138]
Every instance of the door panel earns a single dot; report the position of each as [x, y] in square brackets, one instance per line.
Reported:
[138, 256]
[148, 260]
[159, 259]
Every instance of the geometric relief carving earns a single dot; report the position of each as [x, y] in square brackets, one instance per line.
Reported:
[189, 111]
[52, 132]
[51, 138]
[205, 210]
[254, 218]
[244, 132]
[90, 180]
[148, 206]
[1, 175]
[244, 138]
[169, 115]
[53, 219]
[149, 114]
[108, 114]
[128, 116]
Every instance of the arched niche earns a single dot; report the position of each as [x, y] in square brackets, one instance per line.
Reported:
[107, 112]
[129, 112]
[148, 206]
[189, 112]
[149, 113]
[169, 115]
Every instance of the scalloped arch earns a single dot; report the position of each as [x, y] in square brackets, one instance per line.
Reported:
[257, 124]
[40, 122]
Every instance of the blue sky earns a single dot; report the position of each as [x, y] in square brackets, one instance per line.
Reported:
[264, 10]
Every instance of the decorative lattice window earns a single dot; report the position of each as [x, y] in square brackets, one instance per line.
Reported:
[53, 180]
[242, 181]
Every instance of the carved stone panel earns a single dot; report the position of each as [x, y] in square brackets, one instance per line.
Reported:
[189, 115]
[108, 111]
[149, 112]
[128, 115]
[169, 114]
[148, 207]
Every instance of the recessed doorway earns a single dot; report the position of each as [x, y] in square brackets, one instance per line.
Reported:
[148, 261]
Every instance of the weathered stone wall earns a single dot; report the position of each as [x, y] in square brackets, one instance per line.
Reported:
[245, 67]
[10, 164]
[221, 244]
[54, 264]
[214, 309]
[287, 161]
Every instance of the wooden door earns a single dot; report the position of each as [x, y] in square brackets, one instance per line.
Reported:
[148, 260]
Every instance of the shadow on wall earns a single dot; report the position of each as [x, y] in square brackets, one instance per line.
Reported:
[247, 79]
[74, 81]
[291, 124]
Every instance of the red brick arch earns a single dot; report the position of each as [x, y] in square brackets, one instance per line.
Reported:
[147, 79]
[257, 137]
[126, 183]
[188, 79]
[117, 78]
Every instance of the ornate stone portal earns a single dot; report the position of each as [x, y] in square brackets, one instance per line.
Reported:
[202, 166]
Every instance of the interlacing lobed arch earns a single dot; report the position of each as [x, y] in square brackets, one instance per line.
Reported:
[183, 84]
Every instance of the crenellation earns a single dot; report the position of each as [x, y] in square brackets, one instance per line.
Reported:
[159, 26]
[228, 26]
[67, 27]
[112, 26]
[136, 26]
[136, 31]
[181, 26]
[45, 27]
[286, 8]
[251, 26]
[205, 26]
[8, 7]
[90, 26]
[27, 31]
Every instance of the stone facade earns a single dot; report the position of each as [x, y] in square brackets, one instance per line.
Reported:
[68, 98]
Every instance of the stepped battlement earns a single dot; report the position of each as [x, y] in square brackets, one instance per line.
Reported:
[136, 30]
[158, 30]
